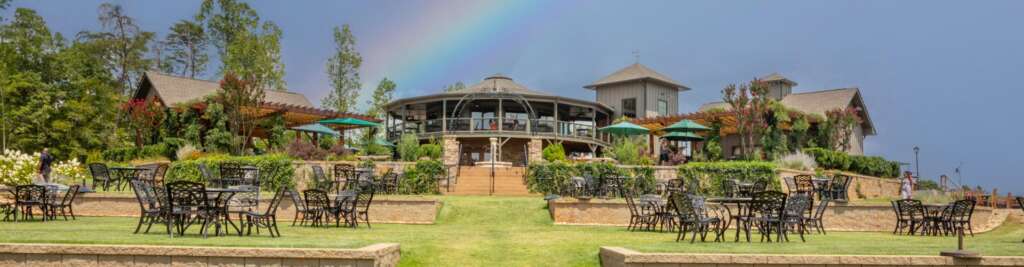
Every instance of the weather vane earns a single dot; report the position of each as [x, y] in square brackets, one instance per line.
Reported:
[636, 55]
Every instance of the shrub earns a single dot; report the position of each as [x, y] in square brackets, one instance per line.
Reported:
[408, 147]
[708, 176]
[554, 152]
[305, 151]
[642, 181]
[276, 170]
[18, 168]
[550, 177]
[829, 159]
[188, 152]
[797, 161]
[626, 150]
[422, 178]
[866, 165]
[431, 151]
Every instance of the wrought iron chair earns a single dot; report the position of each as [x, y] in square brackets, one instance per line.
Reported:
[793, 216]
[790, 184]
[6, 205]
[770, 214]
[321, 181]
[267, 219]
[963, 211]
[150, 210]
[804, 184]
[318, 205]
[100, 174]
[911, 214]
[27, 197]
[360, 208]
[729, 188]
[300, 207]
[760, 186]
[389, 182]
[64, 206]
[817, 219]
[839, 188]
[187, 204]
[691, 216]
[638, 217]
[345, 173]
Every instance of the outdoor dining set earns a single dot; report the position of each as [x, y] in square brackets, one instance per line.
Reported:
[915, 218]
[47, 199]
[345, 198]
[745, 206]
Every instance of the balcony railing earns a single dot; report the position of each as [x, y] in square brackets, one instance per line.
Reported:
[499, 126]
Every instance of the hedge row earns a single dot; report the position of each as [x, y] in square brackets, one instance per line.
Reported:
[866, 165]
[707, 177]
[276, 170]
[556, 177]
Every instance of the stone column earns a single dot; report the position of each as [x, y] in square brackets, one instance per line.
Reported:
[451, 150]
[494, 149]
[535, 147]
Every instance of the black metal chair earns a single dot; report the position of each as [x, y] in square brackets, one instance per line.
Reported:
[759, 186]
[960, 219]
[64, 206]
[6, 205]
[817, 219]
[638, 216]
[100, 174]
[28, 197]
[691, 216]
[150, 210]
[300, 207]
[318, 205]
[729, 188]
[804, 184]
[911, 215]
[389, 182]
[188, 204]
[790, 184]
[839, 188]
[267, 219]
[361, 205]
[770, 208]
[320, 180]
[793, 216]
[345, 173]
[1020, 204]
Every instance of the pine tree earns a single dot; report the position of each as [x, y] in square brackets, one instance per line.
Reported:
[343, 70]
[186, 48]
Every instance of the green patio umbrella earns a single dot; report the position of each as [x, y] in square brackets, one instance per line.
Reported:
[685, 126]
[625, 128]
[384, 142]
[682, 136]
[350, 121]
[316, 128]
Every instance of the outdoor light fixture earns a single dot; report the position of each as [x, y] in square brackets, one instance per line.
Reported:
[917, 164]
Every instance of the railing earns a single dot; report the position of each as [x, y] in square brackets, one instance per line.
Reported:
[500, 125]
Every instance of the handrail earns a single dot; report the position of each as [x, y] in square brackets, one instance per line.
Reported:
[500, 125]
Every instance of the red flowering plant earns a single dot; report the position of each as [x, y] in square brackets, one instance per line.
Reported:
[143, 116]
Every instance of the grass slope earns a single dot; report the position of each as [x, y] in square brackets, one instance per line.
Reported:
[504, 231]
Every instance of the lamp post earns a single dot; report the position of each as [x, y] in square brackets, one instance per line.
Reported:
[917, 164]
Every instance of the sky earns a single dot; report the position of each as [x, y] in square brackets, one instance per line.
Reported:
[940, 75]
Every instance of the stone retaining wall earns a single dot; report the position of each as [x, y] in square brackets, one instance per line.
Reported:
[384, 209]
[861, 186]
[304, 171]
[621, 257]
[386, 254]
[838, 217]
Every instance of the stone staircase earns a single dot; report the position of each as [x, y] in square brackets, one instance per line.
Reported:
[508, 181]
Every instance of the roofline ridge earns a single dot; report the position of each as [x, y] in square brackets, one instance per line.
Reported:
[828, 90]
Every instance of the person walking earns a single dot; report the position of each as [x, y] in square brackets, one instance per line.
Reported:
[907, 186]
[45, 160]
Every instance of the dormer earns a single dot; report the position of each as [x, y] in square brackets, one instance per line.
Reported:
[778, 85]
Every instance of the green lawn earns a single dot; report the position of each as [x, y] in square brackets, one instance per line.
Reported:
[488, 231]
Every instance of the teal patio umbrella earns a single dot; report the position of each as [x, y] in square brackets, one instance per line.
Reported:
[682, 136]
[685, 126]
[383, 142]
[316, 128]
[625, 128]
[350, 122]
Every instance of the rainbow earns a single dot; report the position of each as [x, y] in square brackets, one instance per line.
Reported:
[445, 37]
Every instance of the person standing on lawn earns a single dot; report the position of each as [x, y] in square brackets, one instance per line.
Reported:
[45, 160]
[907, 186]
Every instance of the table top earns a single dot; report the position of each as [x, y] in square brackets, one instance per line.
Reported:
[227, 190]
[128, 168]
[729, 199]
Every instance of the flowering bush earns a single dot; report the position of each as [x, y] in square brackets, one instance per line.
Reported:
[18, 168]
[797, 161]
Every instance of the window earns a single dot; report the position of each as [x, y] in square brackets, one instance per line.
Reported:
[662, 107]
[629, 107]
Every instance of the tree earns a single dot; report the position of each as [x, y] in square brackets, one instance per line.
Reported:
[750, 104]
[186, 46]
[455, 87]
[343, 70]
[838, 128]
[144, 116]
[128, 45]
[241, 99]
[225, 20]
[381, 96]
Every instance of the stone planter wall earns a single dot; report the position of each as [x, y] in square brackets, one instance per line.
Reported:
[861, 186]
[381, 255]
[621, 257]
[384, 209]
[838, 217]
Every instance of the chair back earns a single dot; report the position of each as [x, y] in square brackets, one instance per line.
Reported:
[769, 203]
[683, 205]
[297, 199]
[804, 183]
[675, 185]
[142, 194]
[161, 170]
[963, 210]
[364, 197]
[796, 205]
[790, 183]
[1020, 203]
[729, 188]
[910, 208]
[29, 194]
[250, 198]
[317, 199]
[318, 174]
[69, 196]
[760, 185]
[631, 204]
[840, 187]
[99, 171]
[185, 195]
[819, 211]
[896, 209]
[276, 201]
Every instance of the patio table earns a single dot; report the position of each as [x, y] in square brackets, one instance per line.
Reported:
[125, 174]
[742, 209]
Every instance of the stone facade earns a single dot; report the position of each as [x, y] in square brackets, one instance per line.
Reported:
[385, 209]
[536, 150]
[381, 255]
[451, 150]
[838, 217]
[622, 257]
